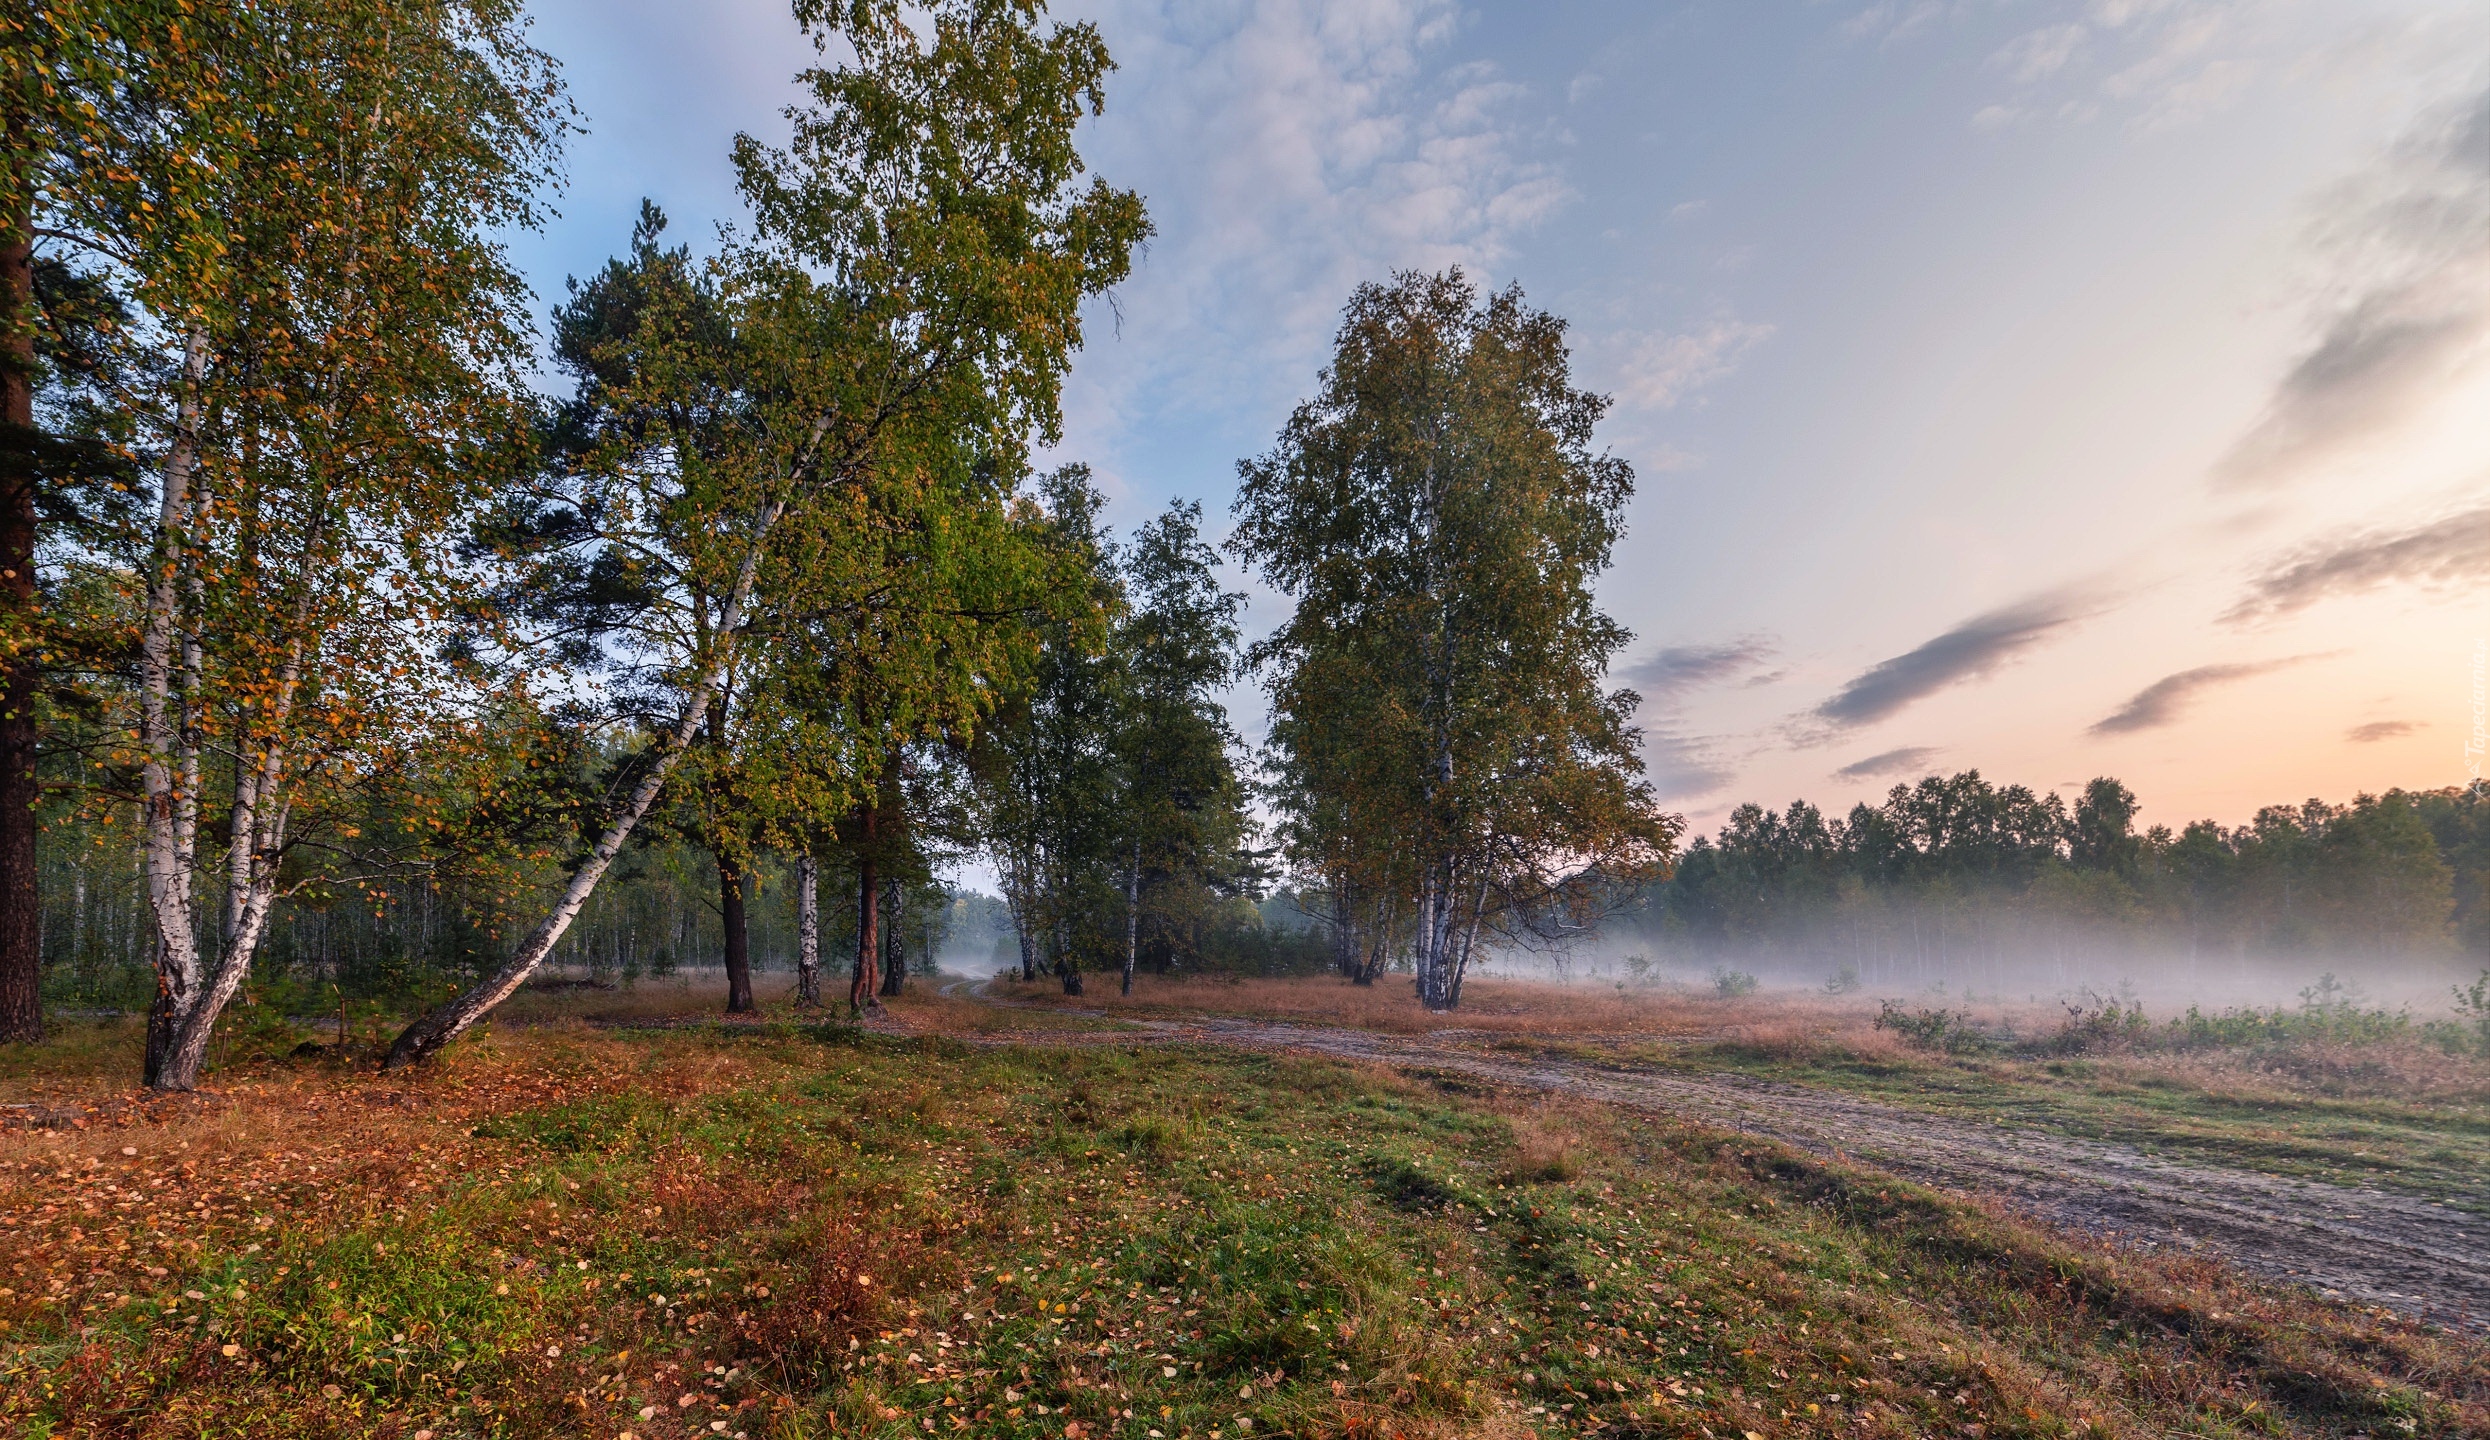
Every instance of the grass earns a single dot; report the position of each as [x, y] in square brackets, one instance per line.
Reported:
[783, 1231]
[1489, 1008]
[2399, 1112]
[2402, 1114]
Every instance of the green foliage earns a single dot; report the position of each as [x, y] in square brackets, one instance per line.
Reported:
[1953, 1032]
[1954, 866]
[1108, 794]
[2097, 1023]
[1443, 753]
[2335, 1024]
[2472, 1008]
[1729, 984]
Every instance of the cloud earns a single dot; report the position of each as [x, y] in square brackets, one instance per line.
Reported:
[2039, 53]
[1291, 150]
[1969, 651]
[1891, 20]
[1671, 672]
[2160, 703]
[2377, 730]
[2453, 553]
[1681, 766]
[1661, 370]
[1906, 760]
[2406, 306]
[1684, 767]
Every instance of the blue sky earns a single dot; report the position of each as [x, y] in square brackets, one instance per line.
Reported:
[2055, 389]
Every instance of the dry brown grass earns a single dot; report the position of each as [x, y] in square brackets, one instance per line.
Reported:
[1774, 1028]
[684, 994]
[803, 1161]
[1488, 1007]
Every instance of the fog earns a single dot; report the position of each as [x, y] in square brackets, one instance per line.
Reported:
[2165, 981]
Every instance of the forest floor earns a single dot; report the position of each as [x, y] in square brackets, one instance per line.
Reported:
[1024, 1223]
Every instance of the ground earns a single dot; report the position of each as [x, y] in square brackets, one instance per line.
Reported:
[613, 1216]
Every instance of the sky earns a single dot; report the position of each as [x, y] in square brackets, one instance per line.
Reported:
[2051, 389]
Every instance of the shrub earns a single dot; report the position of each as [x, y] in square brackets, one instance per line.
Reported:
[2328, 1019]
[2472, 1008]
[1951, 1031]
[1730, 984]
[2097, 1023]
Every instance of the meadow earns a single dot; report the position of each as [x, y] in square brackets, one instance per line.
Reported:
[2336, 1093]
[648, 1223]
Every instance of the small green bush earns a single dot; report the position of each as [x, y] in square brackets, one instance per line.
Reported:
[2096, 1023]
[1950, 1031]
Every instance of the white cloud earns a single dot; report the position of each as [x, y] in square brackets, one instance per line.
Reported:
[2155, 64]
[2405, 304]
[1891, 19]
[2039, 53]
[1661, 370]
[1290, 151]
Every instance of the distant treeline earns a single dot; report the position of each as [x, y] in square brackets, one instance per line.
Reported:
[1956, 872]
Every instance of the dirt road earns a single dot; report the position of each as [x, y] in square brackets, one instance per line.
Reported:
[2371, 1246]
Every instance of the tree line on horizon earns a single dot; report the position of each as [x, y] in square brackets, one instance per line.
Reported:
[315, 608]
[1957, 869]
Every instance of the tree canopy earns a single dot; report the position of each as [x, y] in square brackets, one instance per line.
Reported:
[1446, 752]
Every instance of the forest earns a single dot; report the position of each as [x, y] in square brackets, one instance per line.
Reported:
[344, 656]
[1957, 876]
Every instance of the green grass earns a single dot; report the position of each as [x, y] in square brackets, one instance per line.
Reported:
[815, 1232]
[2249, 1111]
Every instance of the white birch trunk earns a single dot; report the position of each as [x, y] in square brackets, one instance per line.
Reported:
[168, 728]
[807, 931]
[1132, 916]
[421, 1040]
[261, 809]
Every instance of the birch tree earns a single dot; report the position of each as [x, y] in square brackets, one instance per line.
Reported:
[1178, 806]
[1437, 513]
[913, 275]
[1046, 774]
[295, 201]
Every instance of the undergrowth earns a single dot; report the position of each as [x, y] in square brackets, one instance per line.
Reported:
[799, 1232]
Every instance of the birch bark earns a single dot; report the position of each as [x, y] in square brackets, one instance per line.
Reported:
[1132, 915]
[807, 931]
[168, 725]
[423, 1039]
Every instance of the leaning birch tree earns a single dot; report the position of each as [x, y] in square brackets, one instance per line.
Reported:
[916, 262]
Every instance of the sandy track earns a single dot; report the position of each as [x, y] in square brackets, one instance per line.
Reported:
[2372, 1246]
